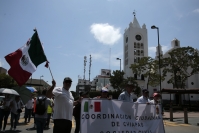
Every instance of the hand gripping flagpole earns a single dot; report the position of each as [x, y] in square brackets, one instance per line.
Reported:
[47, 62]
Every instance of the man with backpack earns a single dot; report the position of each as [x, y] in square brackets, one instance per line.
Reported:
[42, 103]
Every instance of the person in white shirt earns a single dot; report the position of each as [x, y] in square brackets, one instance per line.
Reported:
[144, 98]
[63, 106]
[156, 97]
[15, 110]
[127, 94]
[5, 111]
[40, 114]
[28, 110]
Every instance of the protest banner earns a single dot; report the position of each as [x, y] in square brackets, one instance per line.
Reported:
[113, 116]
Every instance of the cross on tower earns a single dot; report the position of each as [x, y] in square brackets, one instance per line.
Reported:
[134, 13]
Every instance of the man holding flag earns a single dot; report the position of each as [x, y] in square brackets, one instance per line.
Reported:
[24, 61]
[63, 106]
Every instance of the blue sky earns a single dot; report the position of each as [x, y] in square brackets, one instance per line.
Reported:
[70, 30]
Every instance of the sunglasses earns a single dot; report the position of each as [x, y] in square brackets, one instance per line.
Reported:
[68, 82]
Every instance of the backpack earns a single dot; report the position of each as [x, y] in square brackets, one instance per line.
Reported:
[40, 106]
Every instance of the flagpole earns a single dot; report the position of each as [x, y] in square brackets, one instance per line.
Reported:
[50, 72]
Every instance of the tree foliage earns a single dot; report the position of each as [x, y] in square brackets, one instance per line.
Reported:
[149, 67]
[181, 63]
[6, 81]
[116, 79]
[118, 82]
[131, 80]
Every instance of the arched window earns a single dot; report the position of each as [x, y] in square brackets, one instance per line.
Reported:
[138, 59]
[135, 45]
[142, 77]
[138, 45]
[135, 76]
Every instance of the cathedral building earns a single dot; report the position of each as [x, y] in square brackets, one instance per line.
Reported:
[135, 46]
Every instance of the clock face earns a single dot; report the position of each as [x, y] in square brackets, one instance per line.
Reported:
[138, 37]
[126, 39]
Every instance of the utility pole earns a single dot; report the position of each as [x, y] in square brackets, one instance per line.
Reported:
[85, 65]
[90, 68]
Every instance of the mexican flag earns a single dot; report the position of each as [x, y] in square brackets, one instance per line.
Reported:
[24, 61]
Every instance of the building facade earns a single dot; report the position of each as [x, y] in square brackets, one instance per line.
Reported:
[135, 46]
[3, 70]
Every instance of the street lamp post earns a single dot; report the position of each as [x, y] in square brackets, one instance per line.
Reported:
[40, 81]
[120, 63]
[154, 27]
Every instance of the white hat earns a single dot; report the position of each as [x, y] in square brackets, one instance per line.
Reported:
[104, 89]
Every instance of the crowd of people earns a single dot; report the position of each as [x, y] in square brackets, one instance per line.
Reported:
[13, 107]
[66, 107]
[59, 103]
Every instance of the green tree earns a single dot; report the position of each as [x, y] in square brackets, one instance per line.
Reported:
[118, 82]
[180, 64]
[149, 67]
[137, 89]
[116, 79]
[6, 81]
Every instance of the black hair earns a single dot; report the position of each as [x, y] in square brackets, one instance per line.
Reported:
[44, 92]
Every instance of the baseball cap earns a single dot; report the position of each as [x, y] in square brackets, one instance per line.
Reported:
[145, 91]
[67, 79]
[104, 89]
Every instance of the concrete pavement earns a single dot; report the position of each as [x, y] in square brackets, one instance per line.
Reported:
[175, 126]
[178, 118]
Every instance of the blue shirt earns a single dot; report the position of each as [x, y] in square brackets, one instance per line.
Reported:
[143, 100]
[125, 96]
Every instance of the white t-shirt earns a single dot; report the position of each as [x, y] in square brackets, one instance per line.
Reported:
[7, 103]
[15, 105]
[63, 104]
[29, 104]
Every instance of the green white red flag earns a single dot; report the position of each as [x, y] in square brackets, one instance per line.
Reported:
[24, 61]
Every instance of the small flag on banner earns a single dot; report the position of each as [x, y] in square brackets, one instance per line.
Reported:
[97, 106]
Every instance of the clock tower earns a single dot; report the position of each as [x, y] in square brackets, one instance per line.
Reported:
[135, 46]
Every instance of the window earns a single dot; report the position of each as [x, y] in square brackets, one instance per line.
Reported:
[135, 76]
[176, 42]
[142, 77]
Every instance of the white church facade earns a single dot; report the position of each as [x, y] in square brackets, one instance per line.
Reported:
[135, 46]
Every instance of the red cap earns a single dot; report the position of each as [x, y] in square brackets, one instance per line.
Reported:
[155, 94]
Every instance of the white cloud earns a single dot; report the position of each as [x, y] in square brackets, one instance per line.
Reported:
[196, 10]
[105, 33]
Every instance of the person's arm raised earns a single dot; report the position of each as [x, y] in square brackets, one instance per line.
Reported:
[49, 93]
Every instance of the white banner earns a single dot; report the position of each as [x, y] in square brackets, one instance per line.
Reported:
[113, 116]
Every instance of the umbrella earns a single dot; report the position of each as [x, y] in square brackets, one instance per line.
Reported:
[32, 89]
[24, 93]
[8, 91]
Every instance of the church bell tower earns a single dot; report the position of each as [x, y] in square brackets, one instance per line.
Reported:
[135, 46]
